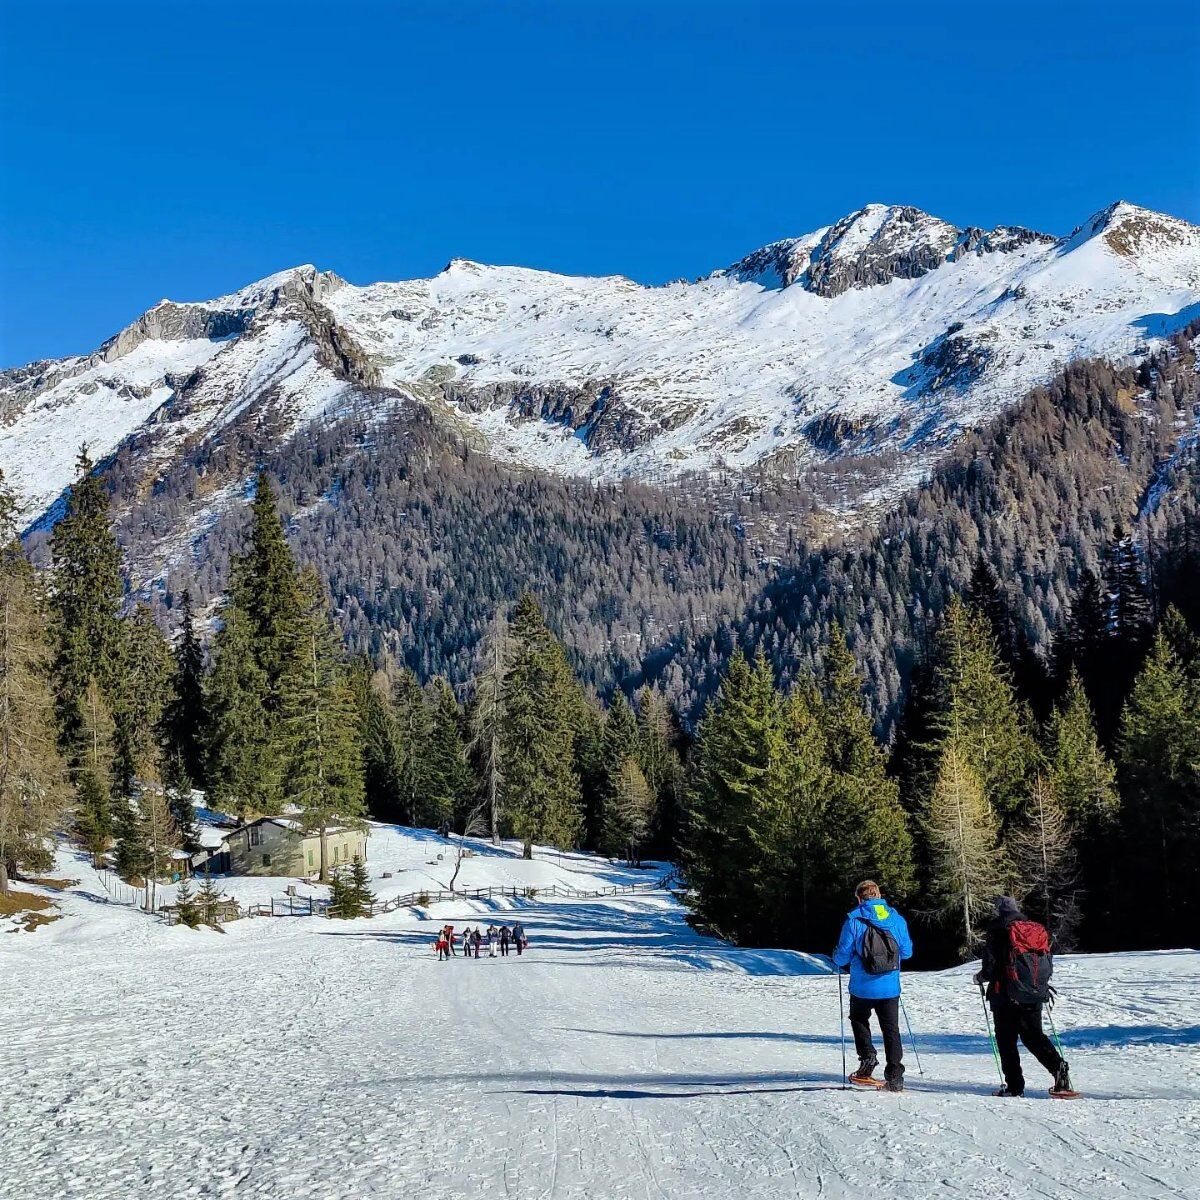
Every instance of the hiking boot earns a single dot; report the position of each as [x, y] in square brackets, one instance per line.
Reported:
[894, 1085]
[1007, 1091]
[866, 1067]
[1062, 1080]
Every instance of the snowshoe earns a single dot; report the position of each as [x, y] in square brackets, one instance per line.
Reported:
[865, 1081]
[1062, 1089]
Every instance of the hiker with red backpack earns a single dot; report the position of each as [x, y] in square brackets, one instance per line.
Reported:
[1015, 975]
[873, 943]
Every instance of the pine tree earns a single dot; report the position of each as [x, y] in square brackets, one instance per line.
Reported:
[618, 744]
[736, 745]
[359, 886]
[242, 768]
[974, 705]
[451, 786]
[342, 901]
[1044, 856]
[865, 829]
[1080, 643]
[967, 866]
[145, 689]
[33, 788]
[190, 912]
[413, 731]
[382, 758]
[179, 797]
[266, 586]
[486, 718]
[186, 718]
[658, 755]
[86, 597]
[1079, 771]
[207, 898]
[320, 746]
[542, 705]
[1159, 763]
[798, 894]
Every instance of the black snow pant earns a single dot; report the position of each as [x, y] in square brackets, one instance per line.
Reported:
[888, 1013]
[1022, 1021]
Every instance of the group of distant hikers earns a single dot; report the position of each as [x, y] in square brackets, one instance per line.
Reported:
[1014, 977]
[492, 941]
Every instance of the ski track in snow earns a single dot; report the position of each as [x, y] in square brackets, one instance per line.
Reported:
[622, 1056]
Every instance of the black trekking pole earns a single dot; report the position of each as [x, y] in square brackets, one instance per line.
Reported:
[912, 1041]
[842, 1024]
[991, 1036]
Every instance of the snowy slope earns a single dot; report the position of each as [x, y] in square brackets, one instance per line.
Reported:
[889, 330]
[622, 1056]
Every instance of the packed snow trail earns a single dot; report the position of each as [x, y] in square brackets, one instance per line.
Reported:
[622, 1056]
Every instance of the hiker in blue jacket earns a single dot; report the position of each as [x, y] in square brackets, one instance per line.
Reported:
[874, 964]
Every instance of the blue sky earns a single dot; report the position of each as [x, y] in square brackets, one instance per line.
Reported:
[183, 149]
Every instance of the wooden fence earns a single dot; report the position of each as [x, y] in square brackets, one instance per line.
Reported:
[316, 906]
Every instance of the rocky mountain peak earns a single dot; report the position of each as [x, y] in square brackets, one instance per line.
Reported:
[1129, 230]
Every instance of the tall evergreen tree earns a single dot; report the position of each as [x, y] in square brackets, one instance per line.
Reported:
[1080, 643]
[145, 690]
[186, 718]
[381, 752]
[1159, 762]
[33, 789]
[543, 705]
[618, 744]
[659, 737]
[486, 718]
[95, 815]
[1079, 770]
[451, 786]
[976, 708]
[865, 830]
[413, 730]
[736, 745]
[85, 601]
[322, 755]
[242, 765]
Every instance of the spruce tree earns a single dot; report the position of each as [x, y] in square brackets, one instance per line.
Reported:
[1080, 643]
[618, 744]
[799, 890]
[486, 718]
[158, 829]
[413, 733]
[967, 868]
[321, 752]
[207, 898]
[865, 829]
[359, 886]
[658, 755]
[33, 786]
[242, 767]
[975, 706]
[451, 786]
[186, 717]
[145, 690]
[542, 705]
[85, 600]
[736, 746]
[1079, 770]
[190, 912]
[382, 760]
[1159, 763]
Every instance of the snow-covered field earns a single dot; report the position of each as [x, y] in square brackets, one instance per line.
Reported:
[622, 1056]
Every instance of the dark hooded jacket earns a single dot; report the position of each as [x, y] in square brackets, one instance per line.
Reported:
[996, 944]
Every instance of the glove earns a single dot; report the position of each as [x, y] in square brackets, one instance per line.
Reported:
[978, 979]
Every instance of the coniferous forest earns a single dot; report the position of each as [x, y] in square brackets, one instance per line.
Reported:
[998, 690]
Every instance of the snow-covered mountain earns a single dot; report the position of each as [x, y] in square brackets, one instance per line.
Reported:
[890, 330]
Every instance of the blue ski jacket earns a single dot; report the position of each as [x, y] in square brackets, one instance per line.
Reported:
[846, 954]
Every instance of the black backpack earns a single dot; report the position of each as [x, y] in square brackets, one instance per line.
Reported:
[879, 952]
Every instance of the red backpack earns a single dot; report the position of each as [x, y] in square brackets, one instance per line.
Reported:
[1030, 963]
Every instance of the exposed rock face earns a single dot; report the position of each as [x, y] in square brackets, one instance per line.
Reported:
[878, 244]
[778, 265]
[952, 360]
[594, 410]
[1002, 239]
[831, 432]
